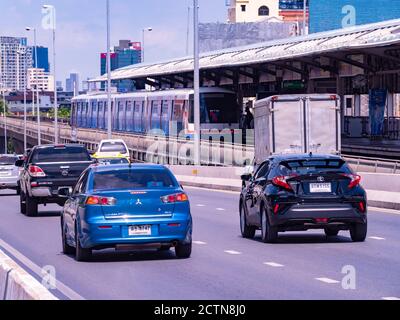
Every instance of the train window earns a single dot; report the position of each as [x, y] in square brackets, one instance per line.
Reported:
[154, 108]
[165, 107]
[129, 106]
[217, 108]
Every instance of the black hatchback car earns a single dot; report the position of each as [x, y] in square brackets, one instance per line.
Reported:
[302, 192]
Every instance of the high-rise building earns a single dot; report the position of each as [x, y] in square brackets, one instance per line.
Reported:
[15, 60]
[59, 86]
[240, 11]
[43, 58]
[125, 54]
[72, 83]
[40, 80]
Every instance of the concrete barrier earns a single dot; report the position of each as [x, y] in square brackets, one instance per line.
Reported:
[17, 284]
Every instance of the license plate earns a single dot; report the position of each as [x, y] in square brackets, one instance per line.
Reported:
[5, 173]
[140, 230]
[320, 187]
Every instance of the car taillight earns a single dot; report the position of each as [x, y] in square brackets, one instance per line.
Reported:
[280, 181]
[354, 180]
[36, 172]
[173, 198]
[361, 206]
[100, 201]
[276, 208]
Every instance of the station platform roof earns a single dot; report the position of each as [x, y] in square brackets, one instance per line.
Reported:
[374, 35]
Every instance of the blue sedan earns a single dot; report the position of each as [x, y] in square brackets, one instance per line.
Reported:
[126, 207]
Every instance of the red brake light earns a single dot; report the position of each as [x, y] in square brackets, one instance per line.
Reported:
[361, 206]
[280, 181]
[102, 201]
[355, 180]
[276, 208]
[36, 171]
[172, 198]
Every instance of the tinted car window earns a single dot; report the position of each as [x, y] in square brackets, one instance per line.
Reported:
[302, 167]
[7, 160]
[113, 147]
[60, 154]
[133, 179]
[262, 171]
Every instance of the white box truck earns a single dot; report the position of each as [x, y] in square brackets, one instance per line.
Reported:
[297, 124]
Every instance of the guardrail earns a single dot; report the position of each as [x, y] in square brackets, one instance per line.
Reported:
[160, 149]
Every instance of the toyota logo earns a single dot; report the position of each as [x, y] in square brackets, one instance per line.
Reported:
[320, 179]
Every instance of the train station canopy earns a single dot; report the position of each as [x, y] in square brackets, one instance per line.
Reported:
[335, 44]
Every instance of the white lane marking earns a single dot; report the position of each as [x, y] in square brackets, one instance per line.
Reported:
[376, 238]
[274, 264]
[220, 209]
[65, 290]
[200, 205]
[327, 280]
[391, 298]
[233, 252]
[383, 210]
[201, 243]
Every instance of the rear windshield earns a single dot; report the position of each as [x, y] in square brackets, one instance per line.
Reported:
[113, 161]
[133, 179]
[60, 154]
[7, 160]
[302, 167]
[113, 147]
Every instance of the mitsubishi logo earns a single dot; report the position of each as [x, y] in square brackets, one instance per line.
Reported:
[138, 202]
[320, 179]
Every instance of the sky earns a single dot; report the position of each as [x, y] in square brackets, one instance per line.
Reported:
[81, 28]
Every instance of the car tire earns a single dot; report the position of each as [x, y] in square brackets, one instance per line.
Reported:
[81, 254]
[22, 204]
[183, 251]
[358, 232]
[269, 234]
[67, 249]
[248, 232]
[331, 232]
[18, 190]
[31, 206]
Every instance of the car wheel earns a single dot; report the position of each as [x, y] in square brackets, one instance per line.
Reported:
[31, 206]
[358, 232]
[247, 231]
[67, 249]
[183, 251]
[269, 234]
[81, 254]
[331, 232]
[22, 203]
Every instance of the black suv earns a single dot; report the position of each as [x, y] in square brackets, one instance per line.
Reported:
[301, 192]
[48, 168]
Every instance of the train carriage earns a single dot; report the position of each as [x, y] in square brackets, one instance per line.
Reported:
[171, 111]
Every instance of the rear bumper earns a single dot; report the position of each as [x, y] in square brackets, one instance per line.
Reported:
[9, 182]
[312, 216]
[94, 235]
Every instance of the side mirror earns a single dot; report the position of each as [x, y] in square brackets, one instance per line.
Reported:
[64, 192]
[19, 163]
[246, 177]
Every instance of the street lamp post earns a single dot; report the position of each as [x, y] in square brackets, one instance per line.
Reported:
[36, 88]
[109, 115]
[196, 83]
[53, 9]
[23, 52]
[5, 120]
[149, 29]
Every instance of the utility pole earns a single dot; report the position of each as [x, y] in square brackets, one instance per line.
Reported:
[196, 84]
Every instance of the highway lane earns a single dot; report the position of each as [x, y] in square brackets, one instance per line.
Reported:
[302, 265]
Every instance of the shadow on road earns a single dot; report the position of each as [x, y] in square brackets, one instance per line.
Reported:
[48, 214]
[302, 238]
[111, 256]
[3, 195]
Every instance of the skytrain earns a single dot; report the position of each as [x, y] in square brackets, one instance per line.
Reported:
[142, 111]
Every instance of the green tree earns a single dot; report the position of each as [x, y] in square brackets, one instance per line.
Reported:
[63, 113]
[2, 107]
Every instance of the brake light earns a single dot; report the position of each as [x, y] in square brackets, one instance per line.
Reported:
[36, 172]
[173, 198]
[280, 181]
[355, 180]
[276, 208]
[100, 201]
[361, 206]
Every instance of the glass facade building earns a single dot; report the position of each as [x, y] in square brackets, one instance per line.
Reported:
[336, 14]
